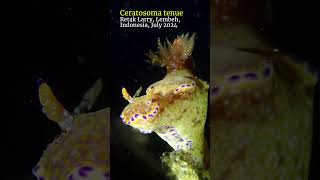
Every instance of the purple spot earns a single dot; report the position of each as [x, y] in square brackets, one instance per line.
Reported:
[129, 122]
[188, 85]
[266, 72]
[171, 130]
[234, 78]
[107, 176]
[70, 177]
[136, 115]
[154, 112]
[86, 168]
[181, 140]
[183, 85]
[250, 76]
[193, 84]
[177, 90]
[215, 90]
[144, 117]
[132, 119]
[150, 115]
[35, 169]
[82, 173]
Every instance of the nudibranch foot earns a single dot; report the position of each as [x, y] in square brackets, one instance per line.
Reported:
[180, 167]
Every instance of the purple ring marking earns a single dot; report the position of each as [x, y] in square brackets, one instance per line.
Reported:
[136, 115]
[144, 117]
[183, 85]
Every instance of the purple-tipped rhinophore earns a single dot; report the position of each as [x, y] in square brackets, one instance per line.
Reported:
[40, 81]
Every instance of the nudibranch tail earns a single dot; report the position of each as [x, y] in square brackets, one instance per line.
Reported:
[176, 55]
[53, 108]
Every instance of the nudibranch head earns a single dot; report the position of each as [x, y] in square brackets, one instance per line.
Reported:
[176, 55]
[141, 113]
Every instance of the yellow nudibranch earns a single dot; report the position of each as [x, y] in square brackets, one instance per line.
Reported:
[175, 107]
[81, 151]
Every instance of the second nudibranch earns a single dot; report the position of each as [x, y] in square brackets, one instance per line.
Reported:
[175, 107]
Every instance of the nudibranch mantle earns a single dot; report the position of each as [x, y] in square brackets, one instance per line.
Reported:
[177, 103]
[81, 151]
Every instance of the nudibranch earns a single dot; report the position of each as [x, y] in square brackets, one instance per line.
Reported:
[260, 104]
[175, 107]
[81, 151]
